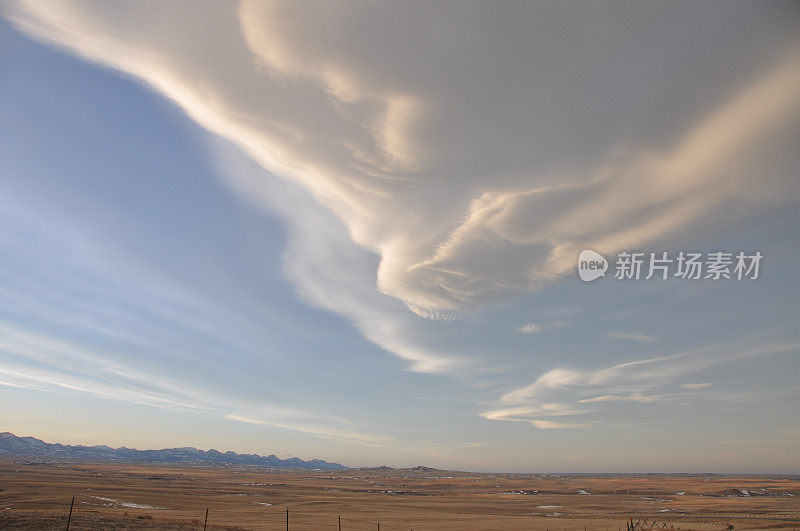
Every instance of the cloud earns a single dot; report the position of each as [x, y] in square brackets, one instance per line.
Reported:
[533, 328]
[454, 175]
[633, 337]
[566, 392]
[699, 385]
[529, 328]
[540, 417]
[633, 397]
[473, 151]
[552, 379]
[35, 361]
[555, 425]
[331, 273]
[364, 439]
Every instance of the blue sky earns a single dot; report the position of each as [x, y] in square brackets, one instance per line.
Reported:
[321, 249]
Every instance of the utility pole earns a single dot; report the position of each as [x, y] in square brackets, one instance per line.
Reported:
[69, 518]
[340, 523]
[287, 518]
[205, 522]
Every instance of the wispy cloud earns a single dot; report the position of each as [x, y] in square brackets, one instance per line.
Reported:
[633, 397]
[39, 362]
[362, 134]
[321, 431]
[533, 328]
[556, 425]
[541, 417]
[561, 392]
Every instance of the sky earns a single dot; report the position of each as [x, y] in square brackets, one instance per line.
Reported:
[350, 230]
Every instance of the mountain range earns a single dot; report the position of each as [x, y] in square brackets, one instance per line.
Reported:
[11, 445]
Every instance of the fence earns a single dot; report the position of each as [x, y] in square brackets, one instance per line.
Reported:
[284, 518]
[287, 518]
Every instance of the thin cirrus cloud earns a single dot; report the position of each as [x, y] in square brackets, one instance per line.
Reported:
[447, 173]
[45, 364]
[559, 394]
[33, 360]
[633, 397]
[545, 417]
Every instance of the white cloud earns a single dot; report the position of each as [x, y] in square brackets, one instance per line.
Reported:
[633, 397]
[533, 328]
[530, 328]
[474, 167]
[552, 379]
[556, 425]
[331, 272]
[540, 417]
[566, 392]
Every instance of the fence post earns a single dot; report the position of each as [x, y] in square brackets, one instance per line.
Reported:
[340, 523]
[205, 522]
[287, 518]
[71, 504]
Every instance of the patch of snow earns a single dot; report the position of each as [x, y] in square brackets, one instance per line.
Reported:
[548, 506]
[581, 491]
[116, 503]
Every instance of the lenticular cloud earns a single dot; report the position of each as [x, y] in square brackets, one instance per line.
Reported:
[475, 150]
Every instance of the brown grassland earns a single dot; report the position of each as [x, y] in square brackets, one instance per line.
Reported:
[36, 495]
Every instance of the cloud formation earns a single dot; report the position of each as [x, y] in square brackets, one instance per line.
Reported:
[560, 394]
[38, 362]
[474, 150]
[535, 328]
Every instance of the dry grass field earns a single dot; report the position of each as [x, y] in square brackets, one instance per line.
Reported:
[37, 496]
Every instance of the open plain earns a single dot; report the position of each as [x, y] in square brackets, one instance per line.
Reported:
[37, 495]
